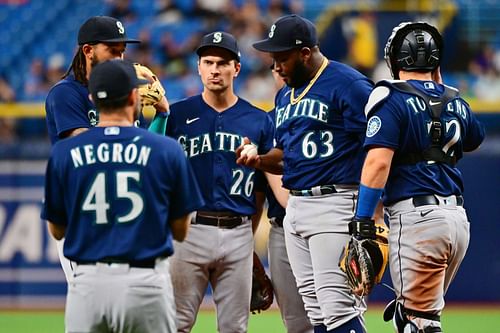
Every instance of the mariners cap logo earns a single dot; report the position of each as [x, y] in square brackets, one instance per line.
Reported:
[121, 28]
[298, 42]
[373, 126]
[271, 31]
[217, 37]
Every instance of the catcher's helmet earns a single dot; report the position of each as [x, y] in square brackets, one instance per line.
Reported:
[413, 46]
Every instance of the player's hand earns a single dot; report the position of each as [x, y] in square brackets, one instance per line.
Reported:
[163, 105]
[152, 93]
[250, 160]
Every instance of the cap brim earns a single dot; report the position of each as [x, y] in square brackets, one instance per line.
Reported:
[200, 49]
[124, 40]
[268, 45]
[120, 40]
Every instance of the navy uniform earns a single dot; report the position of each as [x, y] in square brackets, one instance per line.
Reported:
[287, 295]
[119, 194]
[319, 132]
[417, 131]
[67, 106]
[219, 247]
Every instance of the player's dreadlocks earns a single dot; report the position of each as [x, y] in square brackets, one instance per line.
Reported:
[78, 67]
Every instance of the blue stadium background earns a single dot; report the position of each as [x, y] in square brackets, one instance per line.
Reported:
[38, 40]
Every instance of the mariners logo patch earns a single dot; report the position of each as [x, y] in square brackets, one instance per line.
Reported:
[373, 126]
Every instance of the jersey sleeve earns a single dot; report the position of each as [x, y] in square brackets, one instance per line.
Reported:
[53, 208]
[276, 143]
[383, 127]
[68, 109]
[352, 102]
[474, 134]
[159, 123]
[172, 118]
[267, 141]
[187, 196]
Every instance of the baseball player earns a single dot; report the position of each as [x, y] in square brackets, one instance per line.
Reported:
[288, 298]
[219, 247]
[69, 111]
[417, 130]
[319, 134]
[119, 194]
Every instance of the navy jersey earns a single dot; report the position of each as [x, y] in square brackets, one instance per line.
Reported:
[68, 106]
[274, 208]
[115, 189]
[322, 135]
[401, 121]
[210, 139]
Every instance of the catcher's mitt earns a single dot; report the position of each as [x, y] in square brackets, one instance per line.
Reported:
[152, 92]
[262, 289]
[364, 261]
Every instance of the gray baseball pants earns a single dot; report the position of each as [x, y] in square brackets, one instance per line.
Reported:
[427, 245]
[120, 299]
[223, 258]
[289, 301]
[316, 231]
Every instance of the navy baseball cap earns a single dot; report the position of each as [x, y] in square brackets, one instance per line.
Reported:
[113, 79]
[287, 33]
[220, 39]
[103, 29]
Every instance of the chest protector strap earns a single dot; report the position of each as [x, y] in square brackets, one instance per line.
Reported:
[434, 152]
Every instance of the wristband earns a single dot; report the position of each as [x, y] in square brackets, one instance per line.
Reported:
[159, 123]
[367, 200]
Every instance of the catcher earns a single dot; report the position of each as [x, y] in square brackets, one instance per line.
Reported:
[417, 131]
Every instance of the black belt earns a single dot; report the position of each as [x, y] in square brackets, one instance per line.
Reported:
[221, 221]
[150, 263]
[317, 190]
[277, 221]
[423, 200]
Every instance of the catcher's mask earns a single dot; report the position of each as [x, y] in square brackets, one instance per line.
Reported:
[413, 46]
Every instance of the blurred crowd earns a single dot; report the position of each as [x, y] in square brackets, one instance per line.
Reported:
[171, 57]
[170, 53]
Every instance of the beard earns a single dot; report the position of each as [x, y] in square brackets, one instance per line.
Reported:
[299, 76]
[95, 61]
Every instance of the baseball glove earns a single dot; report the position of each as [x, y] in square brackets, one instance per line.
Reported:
[364, 261]
[262, 289]
[150, 93]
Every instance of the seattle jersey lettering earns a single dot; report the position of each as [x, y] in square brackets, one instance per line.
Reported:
[201, 144]
[106, 153]
[307, 107]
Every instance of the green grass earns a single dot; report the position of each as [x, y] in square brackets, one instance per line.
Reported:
[455, 320]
